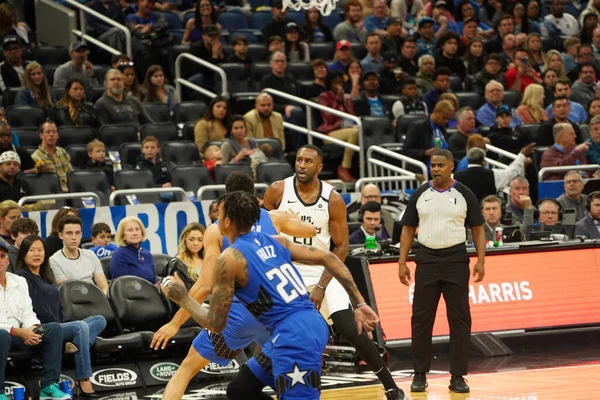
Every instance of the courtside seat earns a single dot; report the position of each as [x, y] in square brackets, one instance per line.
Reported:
[223, 171]
[270, 172]
[180, 153]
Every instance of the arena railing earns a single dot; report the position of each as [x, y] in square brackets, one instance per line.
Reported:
[566, 168]
[83, 10]
[308, 130]
[125, 192]
[221, 188]
[61, 196]
[381, 169]
[181, 81]
[358, 185]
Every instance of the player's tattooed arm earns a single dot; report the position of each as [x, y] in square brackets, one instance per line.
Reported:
[338, 227]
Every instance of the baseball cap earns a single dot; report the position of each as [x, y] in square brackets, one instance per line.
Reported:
[210, 30]
[11, 39]
[277, 4]
[503, 109]
[470, 19]
[368, 73]
[441, 3]
[394, 20]
[290, 26]
[275, 38]
[9, 156]
[390, 56]
[424, 20]
[76, 45]
[341, 44]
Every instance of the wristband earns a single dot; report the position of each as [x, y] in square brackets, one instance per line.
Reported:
[320, 287]
[11, 329]
[364, 303]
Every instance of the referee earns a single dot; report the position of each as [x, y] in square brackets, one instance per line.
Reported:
[441, 209]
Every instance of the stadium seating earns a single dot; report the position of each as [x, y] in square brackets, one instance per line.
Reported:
[376, 131]
[158, 111]
[259, 19]
[25, 116]
[69, 135]
[129, 153]
[136, 179]
[470, 99]
[89, 181]
[164, 132]
[270, 172]
[179, 154]
[223, 171]
[233, 21]
[188, 111]
[114, 136]
[190, 178]
[29, 137]
[78, 154]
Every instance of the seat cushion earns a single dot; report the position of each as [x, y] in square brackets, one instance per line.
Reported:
[184, 337]
[19, 354]
[120, 342]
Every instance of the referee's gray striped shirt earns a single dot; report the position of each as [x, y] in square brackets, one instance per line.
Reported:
[442, 215]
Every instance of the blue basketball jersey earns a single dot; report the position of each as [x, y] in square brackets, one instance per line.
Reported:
[275, 289]
[264, 225]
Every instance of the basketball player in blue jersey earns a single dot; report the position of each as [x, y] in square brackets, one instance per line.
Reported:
[242, 328]
[258, 270]
[316, 201]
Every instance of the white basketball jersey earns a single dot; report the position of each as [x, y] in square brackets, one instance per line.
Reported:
[316, 213]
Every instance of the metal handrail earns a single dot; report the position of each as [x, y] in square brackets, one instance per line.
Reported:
[95, 41]
[180, 81]
[566, 168]
[399, 157]
[359, 183]
[337, 183]
[496, 164]
[221, 188]
[124, 192]
[308, 130]
[60, 196]
[501, 152]
[85, 9]
[320, 135]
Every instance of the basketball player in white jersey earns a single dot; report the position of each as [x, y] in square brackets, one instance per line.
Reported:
[317, 202]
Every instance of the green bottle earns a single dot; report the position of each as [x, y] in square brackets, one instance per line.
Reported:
[371, 243]
[437, 142]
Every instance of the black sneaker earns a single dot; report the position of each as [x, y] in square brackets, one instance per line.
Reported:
[419, 382]
[395, 394]
[458, 384]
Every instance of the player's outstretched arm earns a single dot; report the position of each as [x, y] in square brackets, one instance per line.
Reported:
[290, 223]
[199, 292]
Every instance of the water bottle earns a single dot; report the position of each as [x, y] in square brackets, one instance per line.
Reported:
[371, 243]
[437, 143]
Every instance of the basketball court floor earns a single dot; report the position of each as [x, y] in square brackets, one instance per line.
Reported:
[557, 366]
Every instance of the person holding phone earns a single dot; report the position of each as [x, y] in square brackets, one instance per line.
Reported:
[521, 72]
[78, 68]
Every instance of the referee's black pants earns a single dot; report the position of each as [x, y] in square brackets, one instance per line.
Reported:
[441, 271]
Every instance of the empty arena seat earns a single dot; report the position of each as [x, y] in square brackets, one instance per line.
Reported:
[8, 97]
[164, 132]
[257, 51]
[241, 103]
[257, 71]
[376, 131]
[158, 111]
[470, 99]
[44, 184]
[272, 171]
[512, 99]
[188, 131]
[136, 179]
[324, 51]
[129, 153]
[332, 20]
[188, 111]
[405, 122]
[528, 132]
[259, 19]
[456, 84]
[300, 70]
[78, 154]
[191, 178]
[92, 94]
[80, 300]
[115, 135]
[100, 72]
[359, 51]
[89, 181]
[223, 171]
[51, 55]
[232, 21]
[25, 116]
[105, 261]
[184, 153]
[28, 137]
[69, 135]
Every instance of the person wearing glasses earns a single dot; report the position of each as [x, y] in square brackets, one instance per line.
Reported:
[12, 69]
[370, 192]
[492, 70]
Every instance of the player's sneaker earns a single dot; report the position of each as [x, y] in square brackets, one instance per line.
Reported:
[53, 392]
[419, 383]
[395, 394]
[458, 384]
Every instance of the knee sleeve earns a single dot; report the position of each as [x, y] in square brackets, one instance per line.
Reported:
[246, 386]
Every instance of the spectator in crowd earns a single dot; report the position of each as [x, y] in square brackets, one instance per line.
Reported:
[295, 49]
[78, 68]
[319, 68]
[408, 57]
[190, 254]
[377, 22]
[393, 39]
[238, 148]
[53, 241]
[343, 56]
[522, 73]
[492, 70]
[240, 55]
[212, 158]
[585, 55]
[520, 206]
[115, 107]
[426, 39]
[474, 59]
[130, 81]
[370, 223]
[441, 84]
[18, 332]
[593, 110]
[337, 127]
[447, 54]
[73, 263]
[12, 68]
[424, 77]
[119, 59]
[588, 226]
[54, 158]
[470, 30]
[353, 75]
[577, 113]
[280, 80]
[564, 152]
[9, 213]
[406, 11]
[96, 151]
[569, 57]
[535, 21]
[213, 212]
[593, 154]
[108, 34]
[502, 135]
[370, 103]
[213, 125]
[563, 22]
[204, 14]
[370, 192]
[373, 61]
[549, 215]
[353, 28]
[263, 122]
[494, 94]
[11, 24]
[424, 138]
[71, 109]
[561, 107]
[531, 110]
[33, 265]
[11, 185]
[102, 240]
[209, 49]
[554, 61]
[314, 29]
[474, 140]
[584, 89]
[549, 78]
[593, 8]
[277, 27]
[533, 44]
[157, 88]
[131, 258]
[19, 230]
[453, 99]
[465, 13]
[573, 198]
[491, 208]
[509, 47]
[390, 76]
[443, 20]
[504, 26]
[35, 92]
[457, 143]
[150, 160]
[7, 144]
[410, 103]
